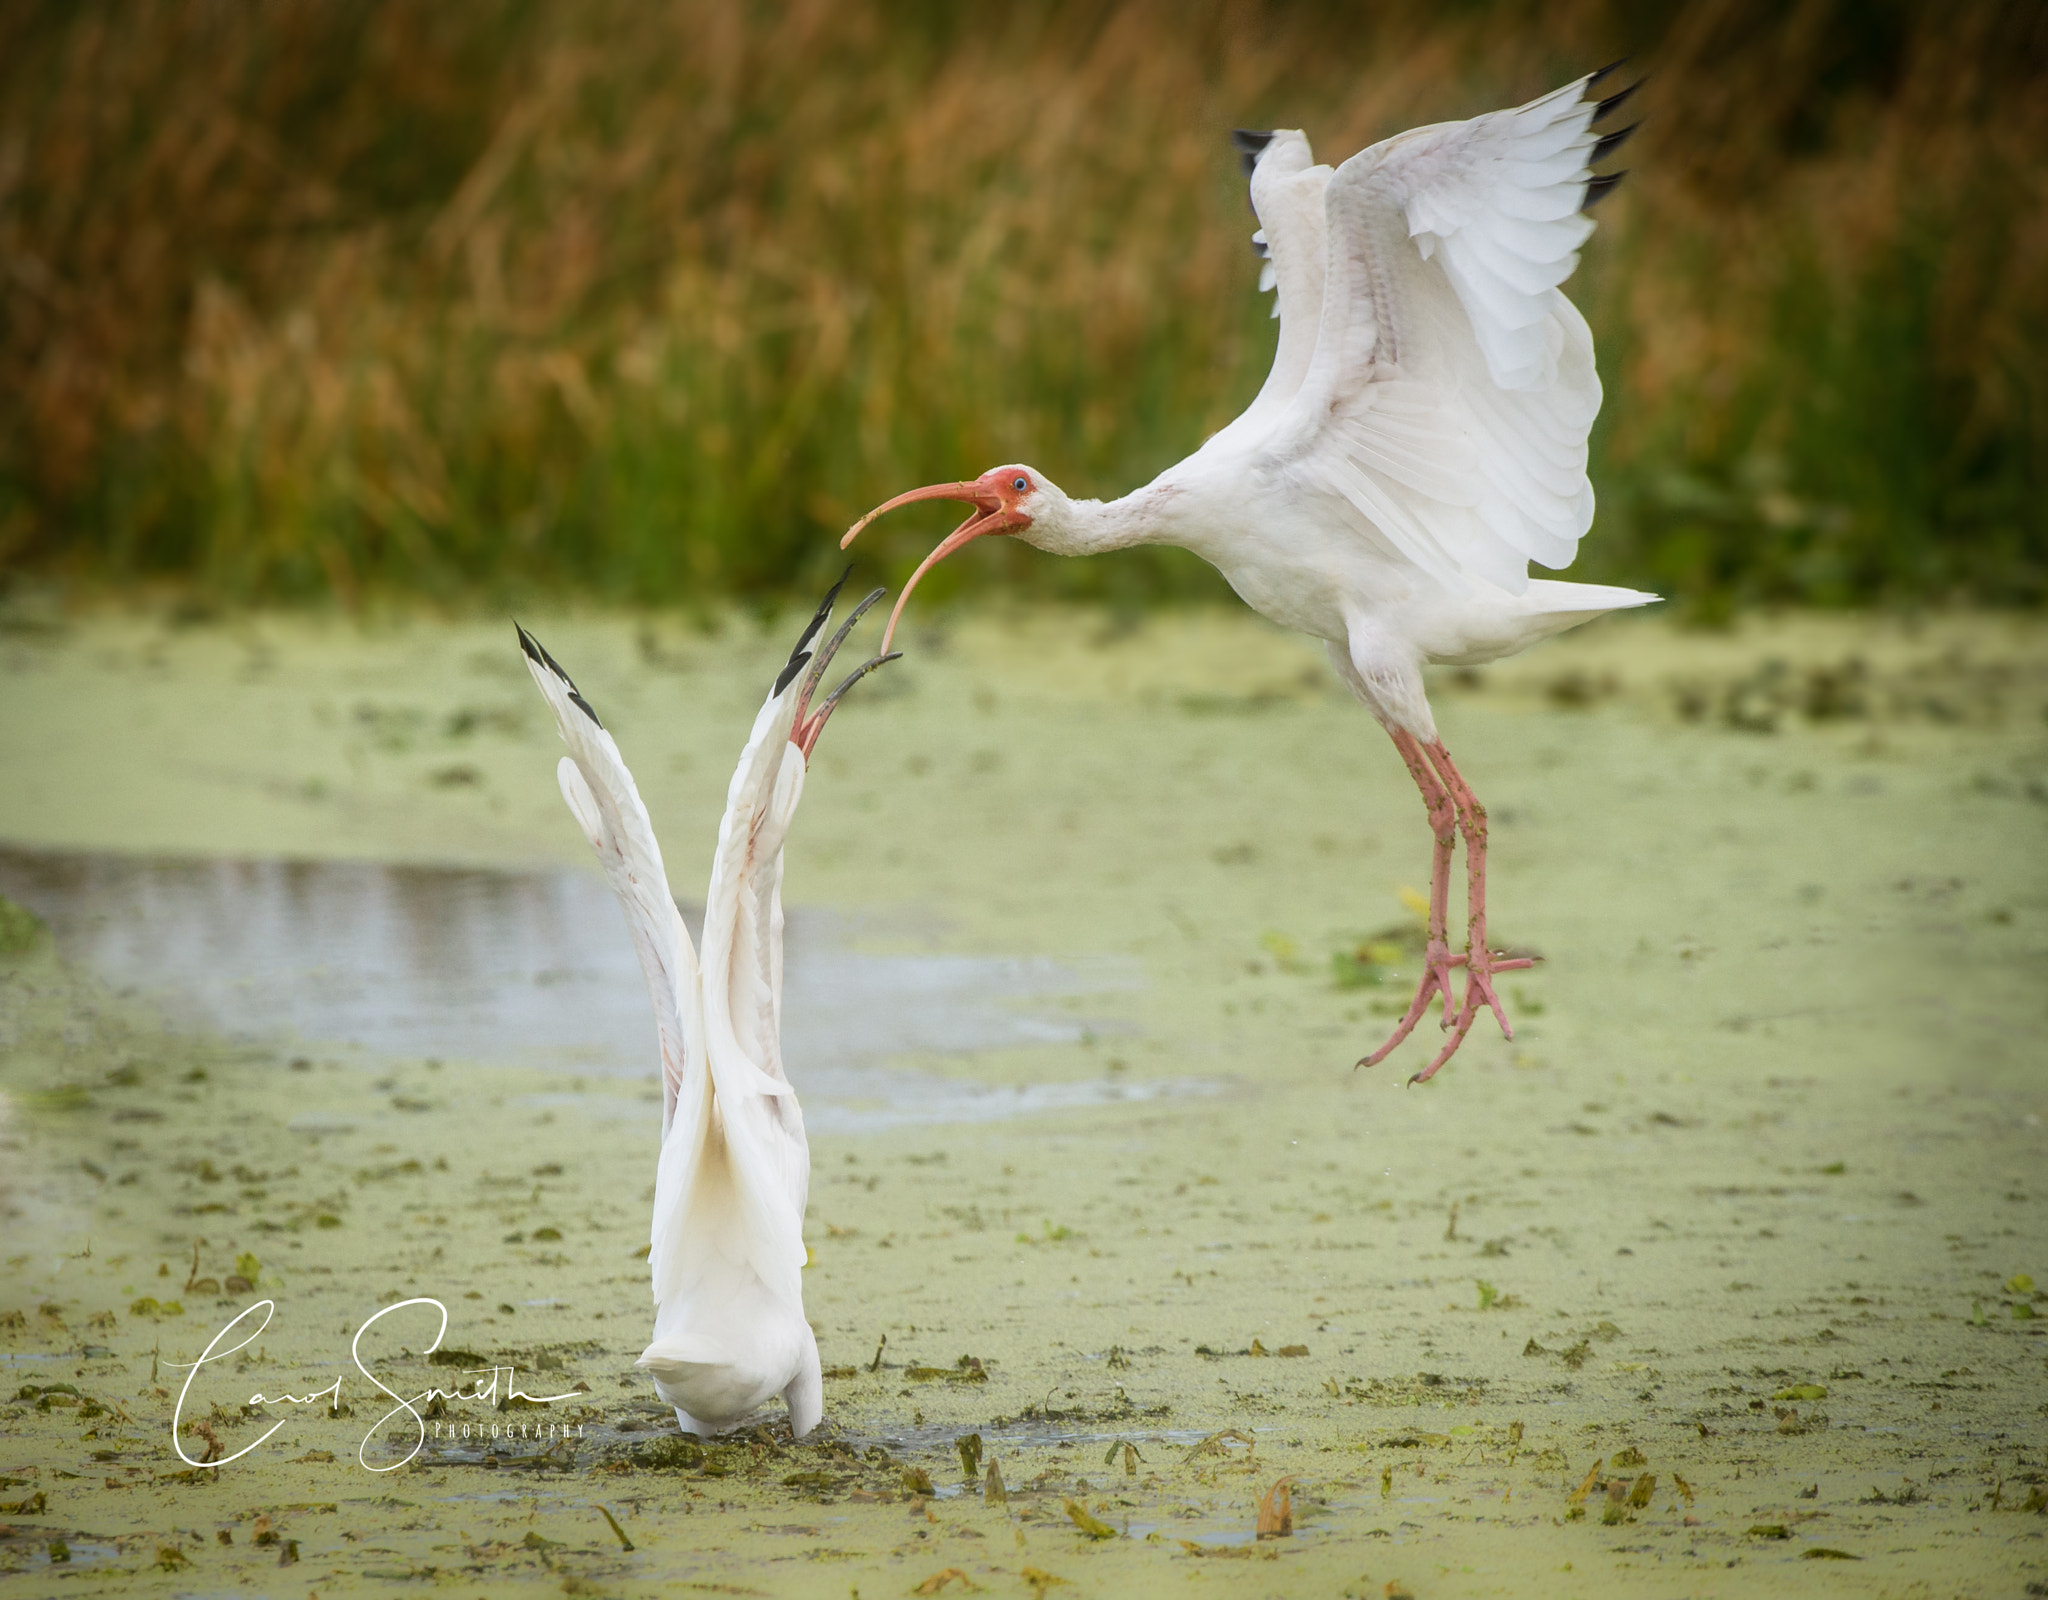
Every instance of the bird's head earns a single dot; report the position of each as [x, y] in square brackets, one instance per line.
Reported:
[1013, 499]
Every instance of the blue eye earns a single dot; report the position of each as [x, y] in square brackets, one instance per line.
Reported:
[1020, 484]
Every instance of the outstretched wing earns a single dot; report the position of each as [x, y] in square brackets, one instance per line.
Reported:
[607, 806]
[737, 1168]
[1503, 198]
[739, 970]
[766, 1157]
[1452, 387]
[743, 907]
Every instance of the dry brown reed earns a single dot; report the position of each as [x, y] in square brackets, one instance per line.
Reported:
[651, 298]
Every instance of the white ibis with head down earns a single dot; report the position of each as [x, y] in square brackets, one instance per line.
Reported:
[726, 1247]
[1420, 440]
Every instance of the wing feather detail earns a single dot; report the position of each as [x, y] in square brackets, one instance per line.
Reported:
[1452, 388]
[606, 803]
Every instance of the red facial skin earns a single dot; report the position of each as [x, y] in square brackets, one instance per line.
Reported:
[994, 495]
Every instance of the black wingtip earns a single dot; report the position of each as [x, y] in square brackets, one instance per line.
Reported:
[1250, 142]
[822, 657]
[1608, 71]
[1608, 143]
[538, 654]
[1615, 101]
[787, 675]
[1598, 189]
[803, 644]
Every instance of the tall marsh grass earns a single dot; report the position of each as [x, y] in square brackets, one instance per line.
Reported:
[649, 298]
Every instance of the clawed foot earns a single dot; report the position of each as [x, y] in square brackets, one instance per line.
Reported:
[1480, 966]
[1437, 962]
[1436, 980]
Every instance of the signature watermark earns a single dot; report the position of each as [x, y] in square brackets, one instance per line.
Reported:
[486, 1390]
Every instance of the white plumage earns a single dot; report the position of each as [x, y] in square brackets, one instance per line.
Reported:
[726, 1246]
[1420, 439]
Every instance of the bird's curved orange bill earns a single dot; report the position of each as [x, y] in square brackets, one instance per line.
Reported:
[989, 516]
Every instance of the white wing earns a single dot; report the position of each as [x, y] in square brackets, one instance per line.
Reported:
[729, 1187]
[1452, 387]
[763, 1147]
[726, 1246]
[607, 806]
[1287, 197]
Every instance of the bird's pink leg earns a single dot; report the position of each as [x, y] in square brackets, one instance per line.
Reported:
[1437, 959]
[1480, 962]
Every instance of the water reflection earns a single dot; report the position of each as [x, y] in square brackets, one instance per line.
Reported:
[534, 968]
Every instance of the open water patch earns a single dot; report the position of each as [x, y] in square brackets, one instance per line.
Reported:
[534, 968]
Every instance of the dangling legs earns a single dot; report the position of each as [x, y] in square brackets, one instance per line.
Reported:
[1389, 684]
[1437, 959]
[1480, 962]
[1453, 809]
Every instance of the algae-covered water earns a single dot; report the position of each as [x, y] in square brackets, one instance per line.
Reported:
[1089, 923]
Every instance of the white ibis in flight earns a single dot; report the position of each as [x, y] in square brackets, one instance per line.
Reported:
[1420, 440]
[726, 1247]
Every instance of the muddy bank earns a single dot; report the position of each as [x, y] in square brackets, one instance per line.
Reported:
[1747, 1208]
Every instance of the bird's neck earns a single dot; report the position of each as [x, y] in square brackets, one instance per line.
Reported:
[1091, 527]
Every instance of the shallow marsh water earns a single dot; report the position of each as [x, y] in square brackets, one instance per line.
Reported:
[1773, 1120]
[528, 969]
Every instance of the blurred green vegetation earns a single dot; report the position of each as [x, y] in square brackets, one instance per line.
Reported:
[649, 298]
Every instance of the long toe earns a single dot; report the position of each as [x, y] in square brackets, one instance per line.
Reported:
[1479, 971]
[1436, 980]
[1450, 1049]
[1482, 973]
